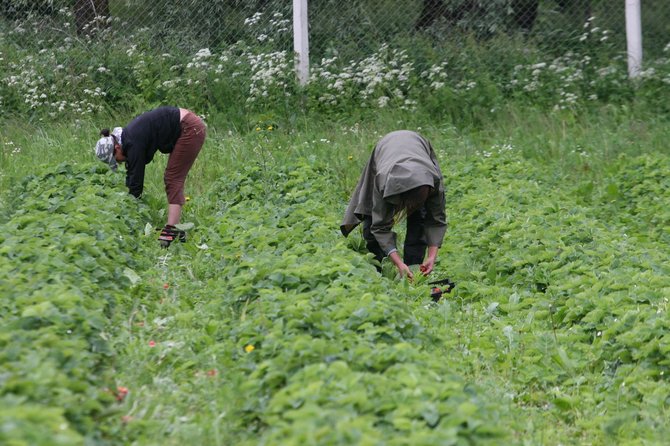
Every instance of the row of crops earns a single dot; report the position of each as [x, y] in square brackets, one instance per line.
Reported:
[65, 253]
[267, 327]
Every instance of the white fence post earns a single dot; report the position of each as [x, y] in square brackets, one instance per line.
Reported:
[301, 40]
[634, 37]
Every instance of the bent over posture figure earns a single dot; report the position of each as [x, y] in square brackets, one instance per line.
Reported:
[401, 180]
[171, 130]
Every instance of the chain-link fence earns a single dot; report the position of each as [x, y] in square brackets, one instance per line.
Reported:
[90, 38]
[350, 27]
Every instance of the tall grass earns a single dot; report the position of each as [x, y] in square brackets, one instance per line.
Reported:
[569, 145]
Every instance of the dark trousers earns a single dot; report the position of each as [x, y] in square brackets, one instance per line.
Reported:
[414, 249]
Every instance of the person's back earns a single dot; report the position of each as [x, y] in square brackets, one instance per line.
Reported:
[402, 179]
[403, 160]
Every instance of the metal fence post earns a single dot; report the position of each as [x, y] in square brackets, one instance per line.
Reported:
[634, 37]
[301, 40]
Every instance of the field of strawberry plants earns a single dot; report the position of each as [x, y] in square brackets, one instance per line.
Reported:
[267, 327]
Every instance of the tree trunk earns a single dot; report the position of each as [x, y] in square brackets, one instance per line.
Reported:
[85, 13]
[525, 13]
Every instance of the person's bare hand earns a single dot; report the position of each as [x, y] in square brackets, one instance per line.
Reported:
[427, 267]
[428, 264]
[404, 270]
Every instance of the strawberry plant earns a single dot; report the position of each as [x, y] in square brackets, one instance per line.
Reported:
[268, 327]
[65, 253]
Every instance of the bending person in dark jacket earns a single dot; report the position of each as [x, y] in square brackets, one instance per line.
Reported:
[401, 180]
[172, 130]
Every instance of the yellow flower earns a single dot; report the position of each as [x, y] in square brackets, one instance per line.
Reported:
[258, 129]
[188, 198]
[350, 157]
[269, 127]
[249, 348]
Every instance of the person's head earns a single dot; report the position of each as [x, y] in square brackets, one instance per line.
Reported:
[105, 149]
[109, 147]
[117, 134]
[408, 202]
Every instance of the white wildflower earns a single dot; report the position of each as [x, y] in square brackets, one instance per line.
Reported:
[202, 54]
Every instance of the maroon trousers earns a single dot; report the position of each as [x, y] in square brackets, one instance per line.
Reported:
[186, 149]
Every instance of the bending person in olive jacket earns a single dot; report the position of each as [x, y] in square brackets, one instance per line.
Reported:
[401, 180]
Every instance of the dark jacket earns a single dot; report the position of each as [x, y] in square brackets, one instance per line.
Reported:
[401, 160]
[156, 129]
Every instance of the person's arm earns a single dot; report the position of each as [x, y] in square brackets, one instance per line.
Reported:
[135, 165]
[382, 224]
[435, 226]
[381, 228]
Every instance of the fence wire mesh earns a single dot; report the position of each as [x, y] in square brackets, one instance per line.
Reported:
[335, 26]
[86, 38]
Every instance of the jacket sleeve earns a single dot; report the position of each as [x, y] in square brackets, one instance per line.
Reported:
[135, 165]
[382, 223]
[435, 224]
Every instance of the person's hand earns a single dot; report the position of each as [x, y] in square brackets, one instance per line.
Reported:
[428, 264]
[427, 267]
[404, 270]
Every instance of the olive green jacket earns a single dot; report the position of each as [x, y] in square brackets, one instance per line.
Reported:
[401, 160]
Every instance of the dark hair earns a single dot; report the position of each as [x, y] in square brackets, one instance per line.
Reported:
[104, 132]
[410, 201]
